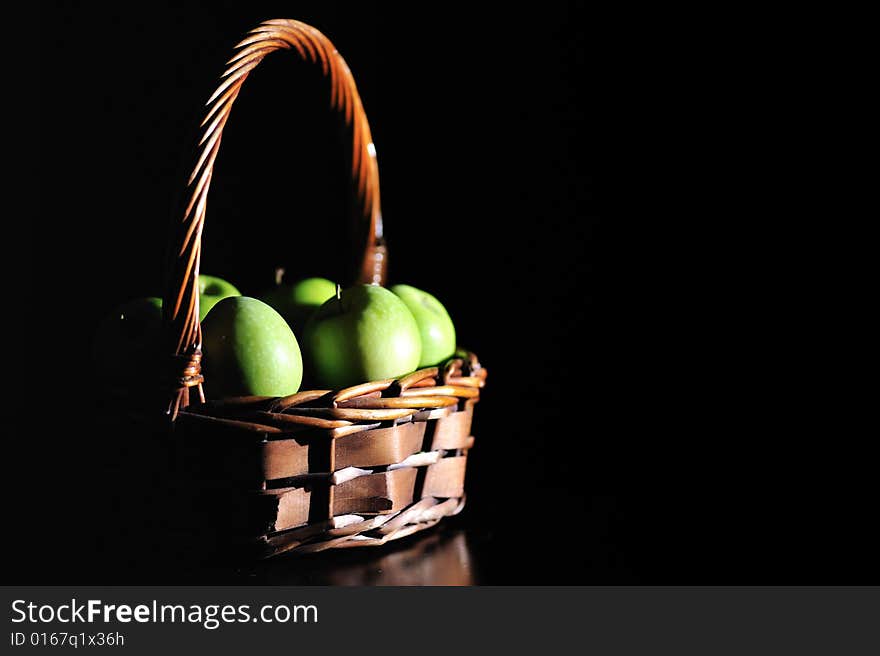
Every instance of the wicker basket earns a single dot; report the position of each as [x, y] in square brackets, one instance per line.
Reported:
[325, 468]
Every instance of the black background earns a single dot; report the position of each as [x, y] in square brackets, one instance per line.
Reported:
[574, 184]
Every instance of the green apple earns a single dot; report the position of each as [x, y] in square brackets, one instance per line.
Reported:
[297, 302]
[366, 333]
[435, 326]
[212, 290]
[128, 340]
[248, 349]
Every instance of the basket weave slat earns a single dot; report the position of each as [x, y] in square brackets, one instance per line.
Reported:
[319, 469]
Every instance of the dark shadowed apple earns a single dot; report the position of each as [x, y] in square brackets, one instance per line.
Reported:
[128, 341]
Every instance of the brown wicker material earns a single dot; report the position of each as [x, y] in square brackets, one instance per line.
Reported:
[320, 469]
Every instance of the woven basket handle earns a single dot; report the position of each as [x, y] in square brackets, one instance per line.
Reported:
[181, 296]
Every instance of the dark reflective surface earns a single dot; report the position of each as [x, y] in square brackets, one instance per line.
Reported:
[439, 556]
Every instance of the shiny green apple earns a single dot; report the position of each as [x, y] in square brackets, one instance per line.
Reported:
[248, 349]
[212, 290]
[366, 333]
[435, 326]
[297, 302]
[127, 341]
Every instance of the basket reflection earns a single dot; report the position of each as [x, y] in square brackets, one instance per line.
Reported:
[439, 557]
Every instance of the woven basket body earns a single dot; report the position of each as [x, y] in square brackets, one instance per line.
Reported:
[322, 468]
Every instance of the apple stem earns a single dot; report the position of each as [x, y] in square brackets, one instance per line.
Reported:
[279, 274]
